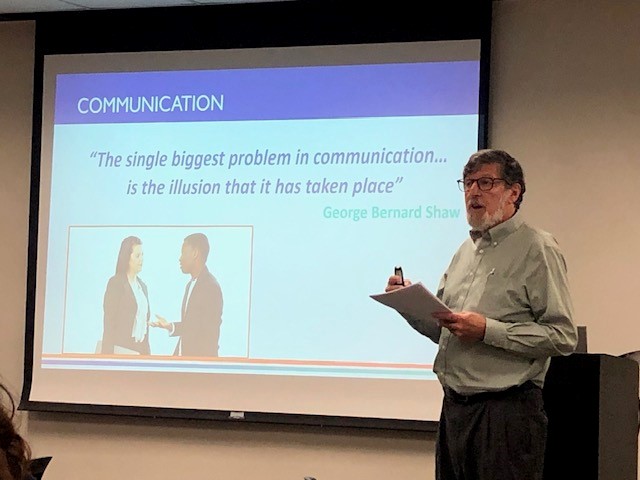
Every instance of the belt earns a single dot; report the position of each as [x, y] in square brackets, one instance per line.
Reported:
[456, 397]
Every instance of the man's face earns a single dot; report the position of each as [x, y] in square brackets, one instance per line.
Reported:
[486, 209]
[187, 258]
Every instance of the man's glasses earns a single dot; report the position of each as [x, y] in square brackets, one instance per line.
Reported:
[484, 183]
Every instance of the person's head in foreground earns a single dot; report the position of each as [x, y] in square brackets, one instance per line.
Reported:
[14, 451]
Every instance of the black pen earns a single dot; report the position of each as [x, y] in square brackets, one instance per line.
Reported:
[398, 272]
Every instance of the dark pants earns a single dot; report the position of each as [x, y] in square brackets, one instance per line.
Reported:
[492, 436]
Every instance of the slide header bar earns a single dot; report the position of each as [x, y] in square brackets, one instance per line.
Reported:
[384, 90]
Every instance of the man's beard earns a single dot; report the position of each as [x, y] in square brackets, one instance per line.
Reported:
[488, 221]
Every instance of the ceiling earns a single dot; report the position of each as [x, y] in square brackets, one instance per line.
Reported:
[33, 6]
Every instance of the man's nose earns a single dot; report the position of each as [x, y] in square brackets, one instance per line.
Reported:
[474, 189]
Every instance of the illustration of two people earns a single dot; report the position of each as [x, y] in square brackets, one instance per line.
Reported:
[126, 305]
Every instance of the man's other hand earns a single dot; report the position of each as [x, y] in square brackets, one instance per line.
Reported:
[467, 326]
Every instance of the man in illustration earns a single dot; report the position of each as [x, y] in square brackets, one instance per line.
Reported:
[201, 317]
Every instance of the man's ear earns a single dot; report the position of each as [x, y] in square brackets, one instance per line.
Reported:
[516, 188]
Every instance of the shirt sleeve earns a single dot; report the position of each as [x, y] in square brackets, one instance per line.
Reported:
[431, 330]
[552, 332]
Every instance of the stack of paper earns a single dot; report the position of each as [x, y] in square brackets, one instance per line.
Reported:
[414, 300]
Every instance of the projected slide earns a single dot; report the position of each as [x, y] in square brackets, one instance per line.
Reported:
[309, 182]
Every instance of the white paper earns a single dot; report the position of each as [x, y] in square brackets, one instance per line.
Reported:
[414, 300]
[118, 350]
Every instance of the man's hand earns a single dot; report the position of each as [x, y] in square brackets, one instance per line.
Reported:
[161, 322]
[467, 326]
[395, 282]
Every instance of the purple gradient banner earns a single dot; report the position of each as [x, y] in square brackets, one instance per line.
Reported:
[387, 90]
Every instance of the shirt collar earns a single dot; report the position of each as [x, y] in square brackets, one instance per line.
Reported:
[499, 232]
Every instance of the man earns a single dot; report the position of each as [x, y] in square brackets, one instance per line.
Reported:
[199, 328]
[507, 288]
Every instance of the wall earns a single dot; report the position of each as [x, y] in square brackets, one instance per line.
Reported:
[16, 78]
[565, 101]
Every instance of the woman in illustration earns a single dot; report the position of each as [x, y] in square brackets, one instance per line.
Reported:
[126, 304]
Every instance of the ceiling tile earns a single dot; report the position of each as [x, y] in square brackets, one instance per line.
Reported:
[31, 6]
[210, 2]
[103, 4]
[23, 6]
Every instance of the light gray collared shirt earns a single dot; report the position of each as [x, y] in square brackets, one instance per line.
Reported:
[516, 276]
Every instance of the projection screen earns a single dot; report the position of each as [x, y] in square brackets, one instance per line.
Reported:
[311, 170]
